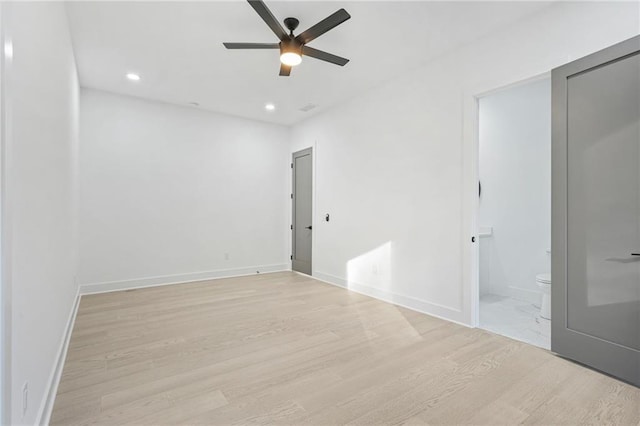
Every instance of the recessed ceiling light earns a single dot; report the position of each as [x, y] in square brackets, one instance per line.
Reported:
[269, 107]
[133, 77]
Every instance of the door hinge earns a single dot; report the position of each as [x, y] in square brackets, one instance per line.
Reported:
[291, 257]
[292, 227]
[292, 196]
[292, 165]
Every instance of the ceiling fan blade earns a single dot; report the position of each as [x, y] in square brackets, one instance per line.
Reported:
[323, 26]
[324, 56]
[252, 45]
[268, 18]
[285, 70]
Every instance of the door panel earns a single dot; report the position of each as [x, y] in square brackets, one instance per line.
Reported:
[603, 132]
[596, 211]
[302, 211]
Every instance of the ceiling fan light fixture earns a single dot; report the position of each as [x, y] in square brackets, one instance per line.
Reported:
[290, 58]
[290, 52]
[291, 46]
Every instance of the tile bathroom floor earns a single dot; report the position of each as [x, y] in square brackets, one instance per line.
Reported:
[516, 319]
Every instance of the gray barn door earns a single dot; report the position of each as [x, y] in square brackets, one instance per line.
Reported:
[596, 211]
[302, 204]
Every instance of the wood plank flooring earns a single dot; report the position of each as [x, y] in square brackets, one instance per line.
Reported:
[286, 349]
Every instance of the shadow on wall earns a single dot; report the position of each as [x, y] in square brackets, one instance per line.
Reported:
[371, 269]
[371, 274]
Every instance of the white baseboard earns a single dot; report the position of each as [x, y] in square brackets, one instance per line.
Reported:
[46, 407]
[443, 312]
[105, 287]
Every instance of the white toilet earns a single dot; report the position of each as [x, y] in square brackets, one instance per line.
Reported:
[544, 282]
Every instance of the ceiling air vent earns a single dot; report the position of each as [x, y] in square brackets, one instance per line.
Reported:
[308, 107]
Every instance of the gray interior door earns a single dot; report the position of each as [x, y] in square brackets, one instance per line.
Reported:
[596, 211]
[302, 204]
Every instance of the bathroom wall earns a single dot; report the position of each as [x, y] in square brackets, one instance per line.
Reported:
[515, 172]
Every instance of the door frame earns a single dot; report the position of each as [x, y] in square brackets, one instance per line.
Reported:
[6, 60]
[595, 351]
[470, 302]
[294, 155]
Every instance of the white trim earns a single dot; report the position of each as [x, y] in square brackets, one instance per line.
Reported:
[470, 251]
[105, 287]
[5, 218]
[432, 309]
[46, 407]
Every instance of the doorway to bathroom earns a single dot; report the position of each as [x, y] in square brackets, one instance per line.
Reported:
[514, 211]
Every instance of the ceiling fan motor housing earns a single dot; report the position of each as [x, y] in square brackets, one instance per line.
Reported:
[291, 46]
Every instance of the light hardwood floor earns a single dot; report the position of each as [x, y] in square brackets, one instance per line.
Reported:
[286, 349]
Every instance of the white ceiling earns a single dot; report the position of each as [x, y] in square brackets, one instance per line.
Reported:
[177, 49]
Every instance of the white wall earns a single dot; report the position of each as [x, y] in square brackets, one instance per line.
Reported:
[167, 191]
[39, 205]
[393, 166]
[515, 171]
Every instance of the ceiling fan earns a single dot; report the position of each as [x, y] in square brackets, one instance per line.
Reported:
[293, 47]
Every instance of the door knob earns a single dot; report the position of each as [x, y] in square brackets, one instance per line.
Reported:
[308, 227]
